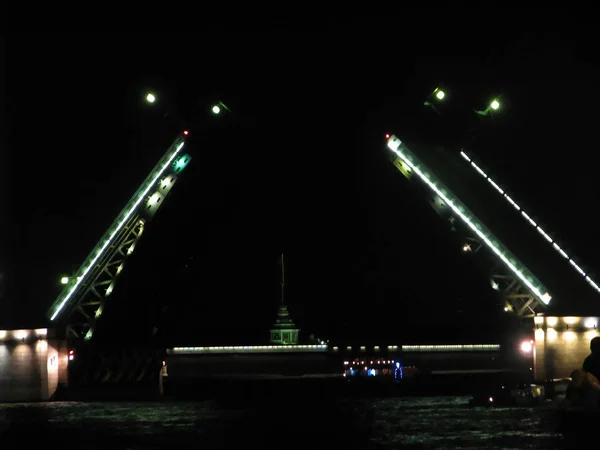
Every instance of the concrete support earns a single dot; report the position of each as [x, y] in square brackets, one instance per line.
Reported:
[561, 344]
[32, 365]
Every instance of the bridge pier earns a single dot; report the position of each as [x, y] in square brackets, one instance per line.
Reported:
[33, 364]
[116, 372]
[561, 344]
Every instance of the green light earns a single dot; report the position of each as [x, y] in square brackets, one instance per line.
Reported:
[150, 98]
[440, 95]
[181, 163]
[495, 104]
[64, 280]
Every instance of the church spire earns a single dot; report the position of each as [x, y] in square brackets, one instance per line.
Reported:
[284, 330]
[282, 281]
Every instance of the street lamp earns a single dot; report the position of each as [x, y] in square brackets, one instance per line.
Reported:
[64, 280]
[493, 106]
[150, 98]
[435, 97]
[218, 108]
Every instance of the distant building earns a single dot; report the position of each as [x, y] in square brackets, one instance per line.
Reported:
[284, 331]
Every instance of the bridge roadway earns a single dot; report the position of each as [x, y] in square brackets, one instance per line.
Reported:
[273, 361]
[37, 365]
[571, 293]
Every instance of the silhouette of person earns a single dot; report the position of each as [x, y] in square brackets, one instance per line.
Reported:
[591, 364]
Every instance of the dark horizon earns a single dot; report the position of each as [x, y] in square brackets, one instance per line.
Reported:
[299, 167]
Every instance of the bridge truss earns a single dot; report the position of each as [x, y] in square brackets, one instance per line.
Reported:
[83, 298]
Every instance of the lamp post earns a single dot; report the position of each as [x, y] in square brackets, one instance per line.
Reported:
[435, 98]
[218, 108]
[494, 105]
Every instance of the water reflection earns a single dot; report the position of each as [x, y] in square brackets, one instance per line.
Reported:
[280, 422]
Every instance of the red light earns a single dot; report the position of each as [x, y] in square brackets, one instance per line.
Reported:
[387, 136]
[70, 352]
[186, 132]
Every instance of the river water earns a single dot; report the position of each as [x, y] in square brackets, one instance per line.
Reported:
[328, 423]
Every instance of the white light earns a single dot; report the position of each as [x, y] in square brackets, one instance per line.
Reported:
[526, 347]
[150, 98]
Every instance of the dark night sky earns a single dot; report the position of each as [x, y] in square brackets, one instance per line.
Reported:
[299, 167]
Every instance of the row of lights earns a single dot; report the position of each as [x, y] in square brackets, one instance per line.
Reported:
[22, 335]
[216, 109]
[249, 348]
[438, 96]
[359, 363]
[528, 218]
[551, 335]
[587, 322]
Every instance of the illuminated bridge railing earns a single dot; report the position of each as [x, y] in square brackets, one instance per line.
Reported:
[452, 348]
[484, 234]
[527, 217]
[325, 348]
[247, 349]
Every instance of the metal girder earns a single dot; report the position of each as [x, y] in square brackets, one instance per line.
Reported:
[101, 280]
[516, 297]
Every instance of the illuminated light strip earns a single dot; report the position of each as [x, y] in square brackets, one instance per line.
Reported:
[543, 233]
[576, 267]
[498, 188]
[478, 169]
[529, 219]
[451, 348]
[512, 202]
[100, 251]
[249, 349]
[533, 223]
[394, 144]
[560, 250]
[592, 283]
